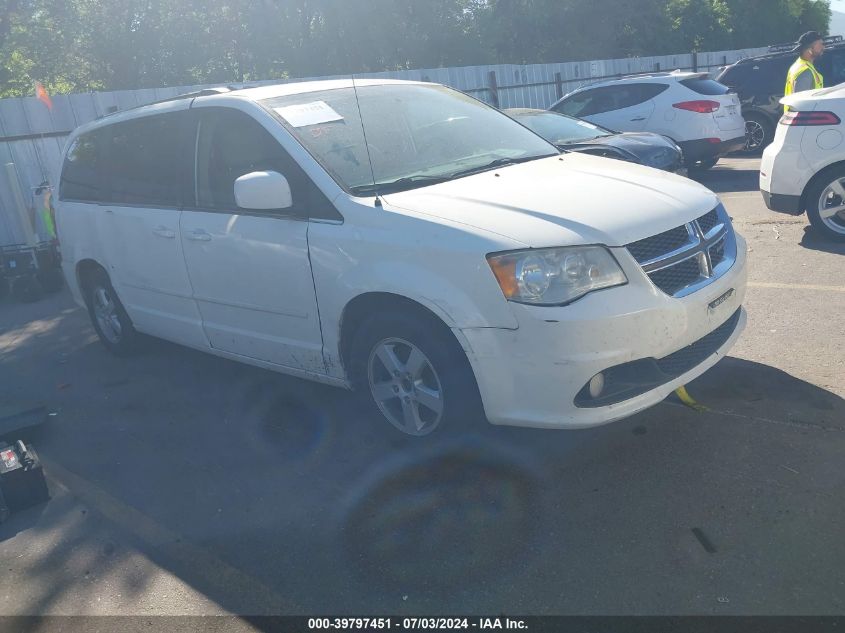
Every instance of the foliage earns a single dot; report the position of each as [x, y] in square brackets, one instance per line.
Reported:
[79, 45]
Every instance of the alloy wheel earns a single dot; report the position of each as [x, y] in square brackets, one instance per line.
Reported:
[105, 311]
[405, 386]
[831, 206]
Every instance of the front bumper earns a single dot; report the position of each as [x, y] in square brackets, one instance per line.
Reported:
[532, 376]
[704, 150]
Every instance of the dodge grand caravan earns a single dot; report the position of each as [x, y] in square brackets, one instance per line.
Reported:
[405, 240]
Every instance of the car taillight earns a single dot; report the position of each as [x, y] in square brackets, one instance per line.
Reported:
[794, 117]
[703, 106]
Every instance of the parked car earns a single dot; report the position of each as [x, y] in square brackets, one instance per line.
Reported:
[571, 134]
[466, 268]
[699, 114]
[804, 167]
[760, 81]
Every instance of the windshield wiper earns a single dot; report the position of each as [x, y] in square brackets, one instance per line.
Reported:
[499, 162]
[402, 184]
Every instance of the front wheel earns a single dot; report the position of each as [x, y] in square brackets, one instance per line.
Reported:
[826, 205]
[108, 315]
[414, 373]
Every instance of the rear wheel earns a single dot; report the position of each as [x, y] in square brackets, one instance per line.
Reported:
[414, 373]
[702, 165]
[826, 204]
[108, 315]
[759, 133]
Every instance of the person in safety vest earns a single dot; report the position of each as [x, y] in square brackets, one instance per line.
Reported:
[803, 74]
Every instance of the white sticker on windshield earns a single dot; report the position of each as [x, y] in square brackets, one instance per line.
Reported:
[308, 114]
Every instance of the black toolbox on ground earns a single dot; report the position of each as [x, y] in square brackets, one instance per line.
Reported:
[22, 482]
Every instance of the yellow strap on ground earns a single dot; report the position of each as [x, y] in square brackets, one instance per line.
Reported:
[687, 399]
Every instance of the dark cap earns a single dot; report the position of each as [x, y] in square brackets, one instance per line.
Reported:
[807, 40]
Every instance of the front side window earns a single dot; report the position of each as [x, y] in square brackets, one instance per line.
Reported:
[232, 144]
[416, 135]
[609, 98]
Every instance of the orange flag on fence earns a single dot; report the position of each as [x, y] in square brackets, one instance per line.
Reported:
[41, 94]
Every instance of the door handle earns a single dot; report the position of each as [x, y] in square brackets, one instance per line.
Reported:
[198, 235]
[163, 231]
[642, 118]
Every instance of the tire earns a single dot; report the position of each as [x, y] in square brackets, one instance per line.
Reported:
[108, 316]
[51, 279]
[759, 133]
[409, 398]
[27, 289]
[701, 166]
[821, 197]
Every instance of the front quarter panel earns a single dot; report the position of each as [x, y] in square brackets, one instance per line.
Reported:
[439, 265]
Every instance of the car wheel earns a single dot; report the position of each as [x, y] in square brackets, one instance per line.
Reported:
[108, 315]
[826, 205]
[414, 374]
[702, 165]
[758, 133]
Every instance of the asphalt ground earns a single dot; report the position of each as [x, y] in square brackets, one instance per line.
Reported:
[186, 484]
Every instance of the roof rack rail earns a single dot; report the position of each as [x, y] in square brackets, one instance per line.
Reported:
[790, 46]
[205, 92]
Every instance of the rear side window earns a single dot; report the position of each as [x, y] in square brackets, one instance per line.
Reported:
[832, 66]
[147, 160]
[609, 98]
[705, 86]
[758, 77]
[83, 172]
[141, 162]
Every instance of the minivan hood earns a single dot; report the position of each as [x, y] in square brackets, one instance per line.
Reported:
[563, 200]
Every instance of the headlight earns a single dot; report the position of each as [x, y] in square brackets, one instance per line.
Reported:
[555, 276]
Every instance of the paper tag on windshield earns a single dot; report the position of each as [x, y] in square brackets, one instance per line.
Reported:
[308, 114]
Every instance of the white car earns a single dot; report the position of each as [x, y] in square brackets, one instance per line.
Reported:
[699, 114]
[804, 167]
[454, 261]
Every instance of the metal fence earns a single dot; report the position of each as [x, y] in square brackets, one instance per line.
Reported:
[32, 137]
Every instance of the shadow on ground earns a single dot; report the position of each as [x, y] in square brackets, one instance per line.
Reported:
[269, 494]
[814, 241]
[729, 180]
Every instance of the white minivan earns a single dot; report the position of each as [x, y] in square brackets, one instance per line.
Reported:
[405, 240]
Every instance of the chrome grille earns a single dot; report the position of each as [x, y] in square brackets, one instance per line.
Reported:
[675, 278]
[657, 245]
[708, 221]
[688, 257]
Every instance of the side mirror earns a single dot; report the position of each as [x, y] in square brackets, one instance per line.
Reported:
[263, 191]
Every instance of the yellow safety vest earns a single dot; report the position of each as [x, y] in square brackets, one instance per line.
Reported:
[800, 66]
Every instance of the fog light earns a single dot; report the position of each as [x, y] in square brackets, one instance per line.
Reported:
[596, 385]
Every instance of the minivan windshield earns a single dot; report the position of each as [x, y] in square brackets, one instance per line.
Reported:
[417, 135]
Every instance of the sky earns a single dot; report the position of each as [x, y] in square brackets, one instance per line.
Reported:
[837, 23]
